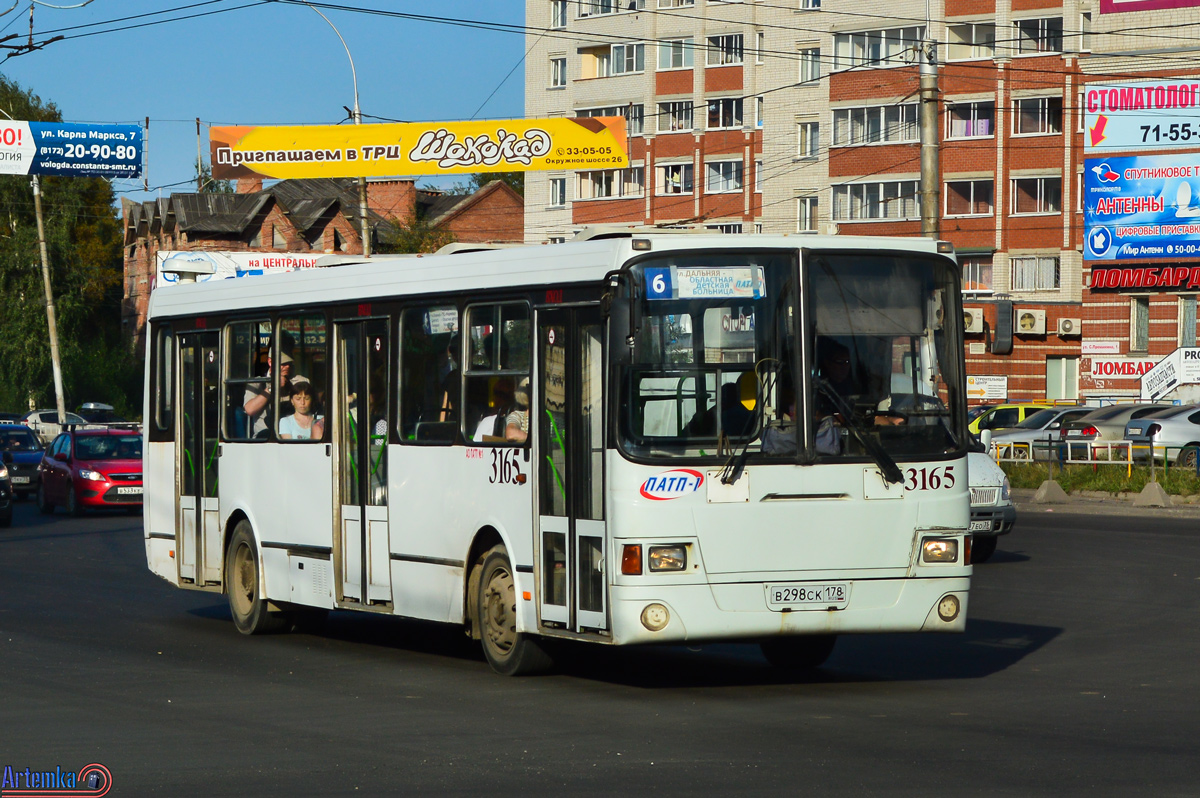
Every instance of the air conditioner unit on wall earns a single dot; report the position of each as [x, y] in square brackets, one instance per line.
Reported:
[1028, 321]
[973, 320]
[1070, 327]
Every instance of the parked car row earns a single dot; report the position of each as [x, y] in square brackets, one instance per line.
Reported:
[1171, 433]
[1164, 431]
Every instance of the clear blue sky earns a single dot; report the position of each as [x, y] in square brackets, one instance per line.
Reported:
[267, 63]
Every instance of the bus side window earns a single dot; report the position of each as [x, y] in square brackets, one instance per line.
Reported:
[430, 376]
[303, 340]
[496, 379]
[164, 388]
[247, 344]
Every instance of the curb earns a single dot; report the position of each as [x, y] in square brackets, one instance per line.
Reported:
[1098, 503]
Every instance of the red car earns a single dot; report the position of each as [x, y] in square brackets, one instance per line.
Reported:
[92, 468]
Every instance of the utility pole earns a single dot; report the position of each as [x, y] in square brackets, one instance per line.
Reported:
[929, 140]
[362, 181]
[50, 319]
[199, 160]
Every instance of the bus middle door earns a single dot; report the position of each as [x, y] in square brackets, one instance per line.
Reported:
[570, 412]
[361, 433]
[198, 530]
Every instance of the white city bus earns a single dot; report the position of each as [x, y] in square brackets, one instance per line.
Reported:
[630, 439]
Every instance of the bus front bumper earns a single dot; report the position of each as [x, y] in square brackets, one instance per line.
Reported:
[697, 613]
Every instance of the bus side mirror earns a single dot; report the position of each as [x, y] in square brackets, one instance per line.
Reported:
[985, 437]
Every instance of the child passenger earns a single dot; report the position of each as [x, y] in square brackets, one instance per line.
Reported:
[303, 424]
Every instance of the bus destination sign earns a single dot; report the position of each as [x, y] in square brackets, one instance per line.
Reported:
[677, 282]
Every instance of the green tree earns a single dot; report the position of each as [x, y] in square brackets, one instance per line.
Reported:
[207, 184]
[418, 236]
[515, 181]
[83, 239]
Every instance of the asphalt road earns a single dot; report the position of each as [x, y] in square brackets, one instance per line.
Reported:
[1077, 676]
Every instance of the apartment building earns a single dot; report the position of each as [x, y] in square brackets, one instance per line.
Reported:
[685, 77]
[797, 116]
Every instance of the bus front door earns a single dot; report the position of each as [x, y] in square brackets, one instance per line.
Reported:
[569, 404]
[198, 526]
[360, 433]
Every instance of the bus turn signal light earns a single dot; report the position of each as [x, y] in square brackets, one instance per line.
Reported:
[631, 559]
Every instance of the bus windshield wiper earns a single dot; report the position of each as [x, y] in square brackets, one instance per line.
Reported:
[891, 472]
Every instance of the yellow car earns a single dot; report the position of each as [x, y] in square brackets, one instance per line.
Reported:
[1003, 416]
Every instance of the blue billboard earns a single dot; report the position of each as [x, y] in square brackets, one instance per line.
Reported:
[1141, 207]
[74, 150]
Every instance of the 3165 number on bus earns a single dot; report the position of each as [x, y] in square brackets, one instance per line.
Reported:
[937, 478]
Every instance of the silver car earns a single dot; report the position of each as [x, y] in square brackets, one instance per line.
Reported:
[1102, 426]
[1173, 432]
[1037, 437]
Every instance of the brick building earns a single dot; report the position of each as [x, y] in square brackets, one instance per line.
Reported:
[803, 117]
[298, 216]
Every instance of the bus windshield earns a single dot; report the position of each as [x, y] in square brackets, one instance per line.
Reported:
[716, 348]
[710, 328]
[887, 354]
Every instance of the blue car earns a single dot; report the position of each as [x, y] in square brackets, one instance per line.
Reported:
[6, 498]
[19, 442]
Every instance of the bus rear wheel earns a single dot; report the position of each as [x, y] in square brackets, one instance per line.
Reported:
[242, 582]
[509, 652]
[798, 653]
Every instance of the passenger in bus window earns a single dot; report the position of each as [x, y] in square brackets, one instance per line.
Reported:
[303, 423]
[736, 419]
[834, 359]
[257, 400]
[517, 424]
[779, 437]
[452, 381]
[491, 428]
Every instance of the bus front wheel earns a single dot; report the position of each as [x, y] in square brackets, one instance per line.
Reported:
[509, 652]
[798, 653]
[242, 581]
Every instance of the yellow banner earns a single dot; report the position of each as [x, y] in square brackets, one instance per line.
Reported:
[418, 148]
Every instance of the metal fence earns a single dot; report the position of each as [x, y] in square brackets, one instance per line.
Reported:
[1097, 454]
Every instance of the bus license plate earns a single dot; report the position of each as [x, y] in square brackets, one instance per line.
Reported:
[127, 491]
[981, 526]
[808, 596]
[20, 480]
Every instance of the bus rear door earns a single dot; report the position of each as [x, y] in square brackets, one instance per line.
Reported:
[360, 433]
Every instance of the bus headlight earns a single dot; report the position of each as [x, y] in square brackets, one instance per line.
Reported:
[668, 558]
[939, 550]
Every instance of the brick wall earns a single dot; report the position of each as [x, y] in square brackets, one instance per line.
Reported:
[497, 216]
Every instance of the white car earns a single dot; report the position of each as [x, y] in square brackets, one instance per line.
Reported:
[992, 510]
[44, 423]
